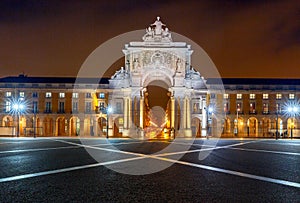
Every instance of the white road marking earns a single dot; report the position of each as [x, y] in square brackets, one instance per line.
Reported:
[236, 173]
[282, 143]
[142, 156]
[206, 149]
[266, 151]
[25, 176]
[104, 149]
[38, 149]
[55, 148]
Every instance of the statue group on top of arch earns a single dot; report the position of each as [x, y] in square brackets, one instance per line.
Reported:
[156, 33]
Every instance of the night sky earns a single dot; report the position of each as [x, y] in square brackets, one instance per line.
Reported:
[243, 38]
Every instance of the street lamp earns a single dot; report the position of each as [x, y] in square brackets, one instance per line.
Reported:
[209, 111]
[237, 120]
[292, 111]
[108, 111]
[276, 136]
[18, 108]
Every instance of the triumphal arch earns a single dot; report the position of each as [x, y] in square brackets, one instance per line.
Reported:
[158, 92]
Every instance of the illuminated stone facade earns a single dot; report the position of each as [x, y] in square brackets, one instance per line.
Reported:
[79, 106]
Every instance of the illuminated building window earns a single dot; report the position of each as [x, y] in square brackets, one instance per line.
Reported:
[226, 107]
[239, 96]
[7, 94]
[101, 95]
[291, 96]
[238, 106]
[265, 96]
[252, 107]
[48, 94]
[75, 95]
[226, 96]
[21, 94]
[7, 106]
[61, 95]
[278, 108]
[265, 108]
[278, 96]
[252, 96]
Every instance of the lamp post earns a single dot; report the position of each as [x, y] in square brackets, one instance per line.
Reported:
[292, 110]
[108, 111]
[18, 108]
[209, 111]
[237, 121]
[276, 136]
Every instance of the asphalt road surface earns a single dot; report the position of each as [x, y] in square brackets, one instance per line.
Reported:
[127, 170]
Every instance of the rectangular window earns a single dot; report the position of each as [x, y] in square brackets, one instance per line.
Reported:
[34, 94]
[48, 94]
[61, 107]
[75, 106]
[7, 94]
[7, 106]
[278, 96]
[75, 95]
[226, 107]
[21, 94]
[238, 96]
[48, 107]
[226, 96]
[101, 95]
[278, 108]
[291, 96]
[88, 95]
[252, 108]
[212, 96]
[238, 106]
[88, 107]
[265, 108]
[252, 96]
[61, 95]
[265, 96]
[119, 107]
[34, 107]
[101, 105]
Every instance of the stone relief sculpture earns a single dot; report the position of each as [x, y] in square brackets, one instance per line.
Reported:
[121, 74]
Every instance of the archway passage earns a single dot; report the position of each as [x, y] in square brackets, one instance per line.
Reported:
[48, 126]
[74, 126]
[196, 127]
[157, 108]
[102, 126]
[61, 126]
[252, 125]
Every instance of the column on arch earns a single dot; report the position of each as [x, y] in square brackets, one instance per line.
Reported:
[204, 118]
[125, 112]
[172, 112]
[141, 125]
[129, 121]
